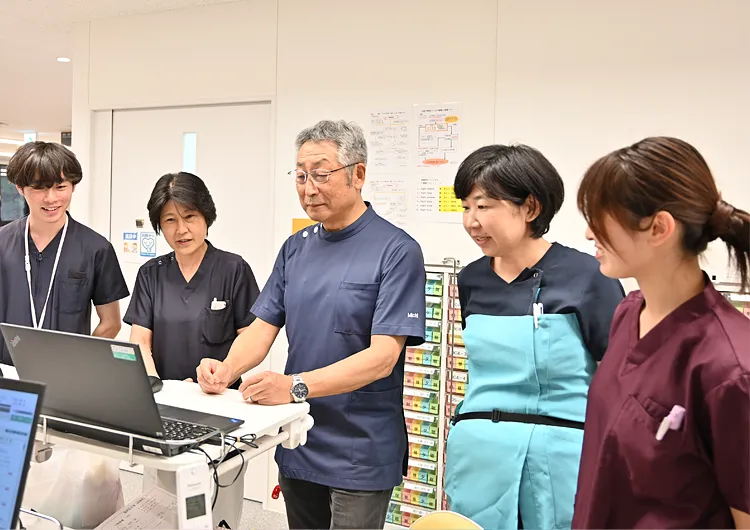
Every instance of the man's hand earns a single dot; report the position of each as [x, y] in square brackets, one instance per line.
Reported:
[267, 388]
[214, 376]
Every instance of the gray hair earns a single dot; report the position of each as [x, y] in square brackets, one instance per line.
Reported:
[348, 137]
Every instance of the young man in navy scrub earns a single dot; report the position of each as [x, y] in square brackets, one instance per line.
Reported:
[51, 267]
[350, 291]
[667, 437]
[192, 302]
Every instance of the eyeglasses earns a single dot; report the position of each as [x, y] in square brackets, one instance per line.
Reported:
[319, 176]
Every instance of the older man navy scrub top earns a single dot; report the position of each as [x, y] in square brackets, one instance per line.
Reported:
[88, 271]
[333, 290]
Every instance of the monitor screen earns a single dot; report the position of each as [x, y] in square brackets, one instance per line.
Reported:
[17, 429]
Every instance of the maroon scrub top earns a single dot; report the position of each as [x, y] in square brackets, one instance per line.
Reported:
[698, 357]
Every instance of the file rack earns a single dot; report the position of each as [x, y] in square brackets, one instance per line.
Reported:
[428, 390]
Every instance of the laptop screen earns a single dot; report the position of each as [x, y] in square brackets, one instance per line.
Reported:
[19, 412]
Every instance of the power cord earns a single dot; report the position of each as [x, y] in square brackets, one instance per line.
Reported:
[249, 439]
[212, 465]
[229, 441]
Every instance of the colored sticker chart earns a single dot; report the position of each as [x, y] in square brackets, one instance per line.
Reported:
[423, 448]
[417, 494]
[422, 471]
[433, 331]
[434, 308]
[422, 377]
[434, 285]
[422, 424]
[426, 355]
[426, 385]
[403, 514]
[421, 401]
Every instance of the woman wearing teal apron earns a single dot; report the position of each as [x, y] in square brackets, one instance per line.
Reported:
[536, 318]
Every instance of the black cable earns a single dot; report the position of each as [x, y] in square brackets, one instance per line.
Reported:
[249, 442]
[239, 471]
[215, 464]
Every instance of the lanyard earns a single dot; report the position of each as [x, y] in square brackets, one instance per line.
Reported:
[38, 325]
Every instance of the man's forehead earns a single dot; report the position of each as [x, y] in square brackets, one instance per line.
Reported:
[313, 159]
[317, 152]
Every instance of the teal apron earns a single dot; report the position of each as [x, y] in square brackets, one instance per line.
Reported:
[499, 465]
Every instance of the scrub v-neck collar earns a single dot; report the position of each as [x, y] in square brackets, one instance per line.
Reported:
[534, 271]
[203, 269]
[641, 348]
[51, 246]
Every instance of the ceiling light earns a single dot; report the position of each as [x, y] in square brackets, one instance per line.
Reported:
[63, 59]
[11, 142]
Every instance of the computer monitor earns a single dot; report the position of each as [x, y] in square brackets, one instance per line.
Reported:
[20, 403]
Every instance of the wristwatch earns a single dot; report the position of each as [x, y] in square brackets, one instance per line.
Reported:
[299, 389]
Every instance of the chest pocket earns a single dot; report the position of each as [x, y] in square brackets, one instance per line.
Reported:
[355, 308]
[658, 470]
[73, 292]
[217, 325]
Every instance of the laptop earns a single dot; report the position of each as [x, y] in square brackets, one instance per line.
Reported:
[102, 382]
[20, 404]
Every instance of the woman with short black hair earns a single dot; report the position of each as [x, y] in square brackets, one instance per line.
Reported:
[190, 303]
[536, 319]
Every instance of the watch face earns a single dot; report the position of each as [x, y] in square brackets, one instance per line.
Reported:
[300, 391]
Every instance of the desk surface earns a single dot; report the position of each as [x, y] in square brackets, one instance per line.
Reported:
[260, 420]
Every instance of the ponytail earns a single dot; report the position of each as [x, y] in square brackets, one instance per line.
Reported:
[732, 226]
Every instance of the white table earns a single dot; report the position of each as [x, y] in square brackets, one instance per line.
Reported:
[273, 425]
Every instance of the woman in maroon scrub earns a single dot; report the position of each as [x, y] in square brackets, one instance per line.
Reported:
[667, 436]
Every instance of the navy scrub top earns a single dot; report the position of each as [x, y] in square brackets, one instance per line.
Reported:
[571, 284]
[333, 291]
[178, 313]
[88, 272]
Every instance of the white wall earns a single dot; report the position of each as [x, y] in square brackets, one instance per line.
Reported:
[575, 79]
[384, 55]
[580, 78]
[215, 54]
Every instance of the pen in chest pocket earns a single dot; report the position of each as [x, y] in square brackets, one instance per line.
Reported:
[672, 421]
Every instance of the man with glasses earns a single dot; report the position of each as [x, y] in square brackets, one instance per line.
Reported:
[350, 291]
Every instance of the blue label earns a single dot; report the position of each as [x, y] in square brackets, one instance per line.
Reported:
[130, 236]
[148, 245]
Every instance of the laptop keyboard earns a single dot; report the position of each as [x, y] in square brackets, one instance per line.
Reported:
[179, 430]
